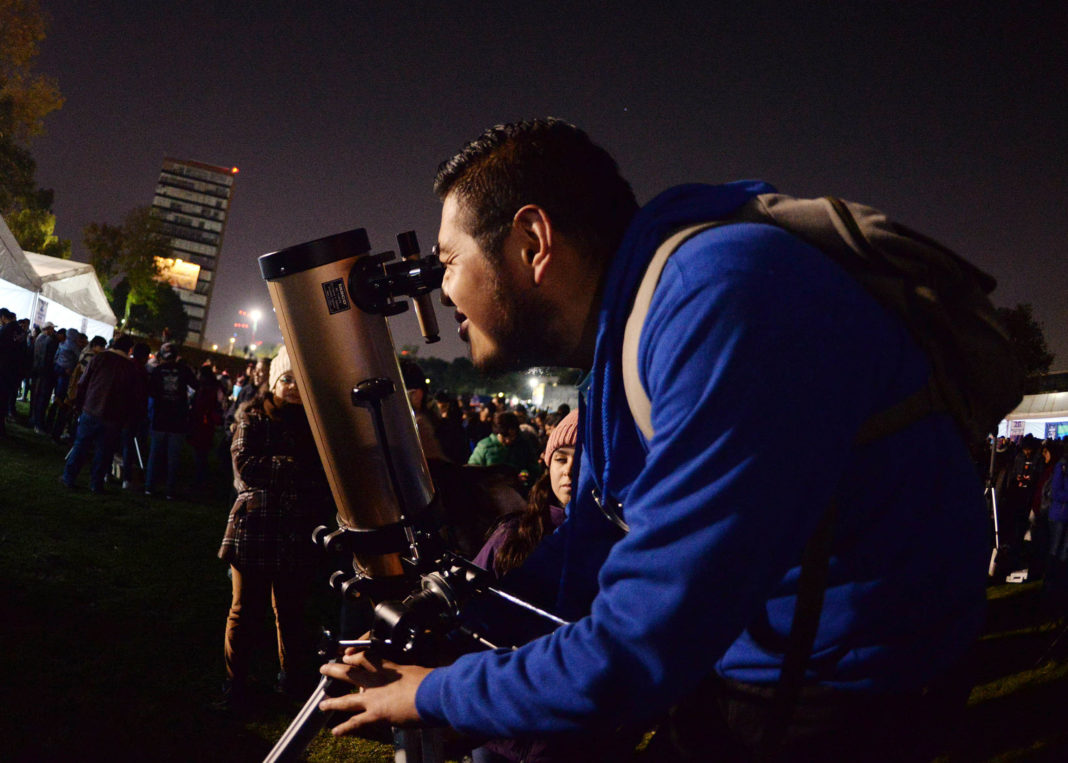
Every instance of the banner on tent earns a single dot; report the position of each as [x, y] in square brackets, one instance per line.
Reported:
[1056, 429]
[41, 311]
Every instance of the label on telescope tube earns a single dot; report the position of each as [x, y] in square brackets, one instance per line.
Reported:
[337, 299]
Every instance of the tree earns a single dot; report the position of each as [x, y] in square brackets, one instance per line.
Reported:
[1027, 338]
[28, 96]
[125, 260]
[161, 310]
[34, 229]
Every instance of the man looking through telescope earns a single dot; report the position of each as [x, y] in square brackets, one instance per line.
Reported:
[753, 338]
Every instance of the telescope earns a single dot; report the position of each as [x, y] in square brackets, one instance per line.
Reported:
[332, 297]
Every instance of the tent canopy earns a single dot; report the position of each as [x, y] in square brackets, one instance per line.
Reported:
[1048, 405]
[70, 288]
[73, 285]
[14, 267]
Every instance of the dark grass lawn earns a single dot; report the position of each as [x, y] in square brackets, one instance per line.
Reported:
[111, 620]
[112, 611]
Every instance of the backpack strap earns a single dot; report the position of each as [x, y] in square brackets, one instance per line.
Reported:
[816, 556]
[637, 399]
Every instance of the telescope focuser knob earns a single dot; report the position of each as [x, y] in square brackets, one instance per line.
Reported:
[371, 391]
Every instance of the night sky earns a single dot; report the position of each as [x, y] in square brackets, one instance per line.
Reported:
[949, 116]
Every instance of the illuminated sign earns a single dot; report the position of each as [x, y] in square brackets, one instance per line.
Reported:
[177, 272]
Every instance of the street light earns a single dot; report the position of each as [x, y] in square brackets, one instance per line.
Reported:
[255, 315]
[230, 352]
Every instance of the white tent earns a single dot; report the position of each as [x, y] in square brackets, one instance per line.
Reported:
[1044, 415]
[44, 288]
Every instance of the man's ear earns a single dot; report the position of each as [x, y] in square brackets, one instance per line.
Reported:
[535, 229]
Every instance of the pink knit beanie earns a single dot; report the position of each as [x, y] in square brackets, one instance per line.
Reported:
[564, 435]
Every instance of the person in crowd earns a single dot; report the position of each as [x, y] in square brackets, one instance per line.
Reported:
[479, 423]
[44, 354]
[449, 429]
[63, 365]
[507, 548]
[507, 446]
[10, 351]
[1042, 499]
[1055, 583]
[169, 383]
[25, 364]
[135, 433]
[257, 375]
[67, 416]
[680, 556]
[111, 393]
[205, 416]
[550, 422]
[517, 536]
[282, 496]
[419, 397]
[1020, 492]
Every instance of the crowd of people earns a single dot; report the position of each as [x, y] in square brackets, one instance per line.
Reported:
[1029, 480]
[131, 412]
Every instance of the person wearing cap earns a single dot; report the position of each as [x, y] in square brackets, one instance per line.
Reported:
[282, 496]
[169, 382]
[44, 355]
[415, 384]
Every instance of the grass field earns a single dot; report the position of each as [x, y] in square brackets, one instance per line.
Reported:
[112, 611]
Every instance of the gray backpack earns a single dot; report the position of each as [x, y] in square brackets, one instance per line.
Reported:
[943, 301]
[941, 297]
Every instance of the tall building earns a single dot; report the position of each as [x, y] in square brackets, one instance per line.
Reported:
[192, 202]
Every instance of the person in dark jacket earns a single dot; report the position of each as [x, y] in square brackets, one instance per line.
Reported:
[44, 354]
[10, 350]
[169, 382]
[282, 496]
[205, 416]
[111, 394]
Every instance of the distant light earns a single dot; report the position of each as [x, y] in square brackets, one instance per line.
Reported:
[215, 348]
[234, 170]
[427, 381]
[255, 315]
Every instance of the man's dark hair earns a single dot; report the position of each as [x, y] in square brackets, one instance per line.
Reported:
[98, 341]
[122, 343]
[505, 422]
[141, 351]
[547, 162]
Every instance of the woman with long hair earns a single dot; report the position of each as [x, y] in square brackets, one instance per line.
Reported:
[518, 535]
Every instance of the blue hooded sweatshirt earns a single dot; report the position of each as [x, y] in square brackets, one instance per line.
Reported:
[762, 359]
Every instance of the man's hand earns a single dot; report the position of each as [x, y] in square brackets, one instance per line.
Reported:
[386, 691]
